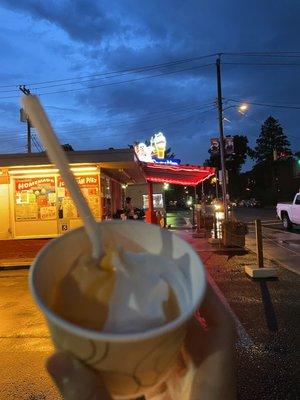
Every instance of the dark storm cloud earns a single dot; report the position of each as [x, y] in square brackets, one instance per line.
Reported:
[133, 33]
[82, 20]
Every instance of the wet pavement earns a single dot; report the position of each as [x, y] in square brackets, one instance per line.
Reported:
[268, 347]
[266, 312]
[278, 245]
[24, 342]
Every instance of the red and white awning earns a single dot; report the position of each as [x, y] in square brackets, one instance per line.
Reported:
[188, 175]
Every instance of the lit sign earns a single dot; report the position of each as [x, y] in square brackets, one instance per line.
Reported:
[155, 152]
[159, 143]
[143, 152]
[169, 161]
[27, 184]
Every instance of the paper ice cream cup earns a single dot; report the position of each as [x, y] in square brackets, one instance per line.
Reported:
[131, 364]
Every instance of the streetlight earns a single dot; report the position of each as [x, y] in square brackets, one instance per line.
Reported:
[242, 108]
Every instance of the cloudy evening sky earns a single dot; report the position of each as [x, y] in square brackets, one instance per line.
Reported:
[105, 70]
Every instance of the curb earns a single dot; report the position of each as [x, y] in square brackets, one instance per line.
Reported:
[15, 264]
[13, 267]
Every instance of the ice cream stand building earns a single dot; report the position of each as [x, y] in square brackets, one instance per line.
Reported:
[34, 202]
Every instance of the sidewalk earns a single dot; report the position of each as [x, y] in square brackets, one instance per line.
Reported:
[282, 246]
[19, 252]
[267, 318]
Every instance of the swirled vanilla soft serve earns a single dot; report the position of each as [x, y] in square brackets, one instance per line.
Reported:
[127, 291]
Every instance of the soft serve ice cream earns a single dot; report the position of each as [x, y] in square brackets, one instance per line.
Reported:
[126, 291]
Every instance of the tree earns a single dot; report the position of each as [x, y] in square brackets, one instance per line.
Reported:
[272, 142]
[273, 156]
[67, 147]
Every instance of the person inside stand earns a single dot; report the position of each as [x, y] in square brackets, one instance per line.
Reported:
[129, 209]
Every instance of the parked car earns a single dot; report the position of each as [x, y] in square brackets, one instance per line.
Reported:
[255, 203]
[289, 213]
[251, 203]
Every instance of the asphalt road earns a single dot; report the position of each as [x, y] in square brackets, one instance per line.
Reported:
[266, 215]
[24, 342]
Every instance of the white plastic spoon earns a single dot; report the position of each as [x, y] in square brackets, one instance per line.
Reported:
[58, 157]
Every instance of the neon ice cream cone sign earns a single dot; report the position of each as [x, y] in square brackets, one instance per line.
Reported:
[159, 143]
[157, 148]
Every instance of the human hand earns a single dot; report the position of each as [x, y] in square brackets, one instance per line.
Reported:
[210, 345]
[74, 380]
[205, 369]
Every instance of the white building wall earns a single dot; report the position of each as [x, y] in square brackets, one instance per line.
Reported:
[5, 232]
[136, 192]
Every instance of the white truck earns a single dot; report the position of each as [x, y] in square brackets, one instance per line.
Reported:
[289, 213]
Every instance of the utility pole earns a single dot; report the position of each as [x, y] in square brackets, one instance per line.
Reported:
[27, 92]
[221, 130]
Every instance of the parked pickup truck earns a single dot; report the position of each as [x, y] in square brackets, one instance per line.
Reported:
[289, 213]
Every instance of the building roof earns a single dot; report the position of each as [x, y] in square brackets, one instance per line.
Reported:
[112, 157]
[120, 164]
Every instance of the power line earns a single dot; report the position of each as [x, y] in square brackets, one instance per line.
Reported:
[267, 104]
[79, 82]
[287, 54]
[109, 135]
[121, 72]
[267, 64]
[37, 142]
[117, 83]
[179, 107]
[133, 120]
[282, 54]
[164, 113]
[34, 142]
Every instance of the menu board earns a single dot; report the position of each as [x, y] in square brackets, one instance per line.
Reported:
[35, 198]
[48, 213]
[47, 198]
[89, 185]
[69, 209]
[94, 204]
[26, 212]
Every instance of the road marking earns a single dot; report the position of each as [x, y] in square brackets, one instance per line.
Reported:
[244, 338]
[270, 223]
[265, 221]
